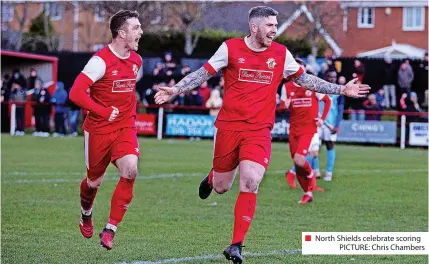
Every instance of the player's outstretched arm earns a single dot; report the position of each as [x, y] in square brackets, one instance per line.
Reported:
[189, 82]
[351, 89]
[193, 80]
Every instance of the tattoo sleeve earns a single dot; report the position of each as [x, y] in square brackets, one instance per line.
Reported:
[313, 83]
[193, 80]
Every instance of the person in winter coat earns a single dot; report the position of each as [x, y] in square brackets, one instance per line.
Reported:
[18, 96]
[59, 99]
[405, 77]
[214, 102]
[41, 100]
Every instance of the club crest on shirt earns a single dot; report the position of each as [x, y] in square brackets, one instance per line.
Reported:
[307, 93]
[271, 63]
[135, 69]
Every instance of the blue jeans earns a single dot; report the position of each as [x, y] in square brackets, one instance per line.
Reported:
[358, 116]
[74, 120]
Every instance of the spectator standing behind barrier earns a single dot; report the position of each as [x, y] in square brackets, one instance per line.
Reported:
[389, 81]
[331, 65]
[59, 99]
[170, 64]
[32, 78]
[185, 71]
[323, 71]
[4, 99]
[18, 78]
[19, 96]
[220, 86]
[311, 61]
[204, 91]
[414, 107]
[193, 98]
[149, 99]
[422, 74]
[380, 98]
[159, 72]
[214, 102]
[73, 116]
[359, 70]
[426, 101]
[403, 102]
[371, 105]
[405, 77]
[357, 105]
[42, 109]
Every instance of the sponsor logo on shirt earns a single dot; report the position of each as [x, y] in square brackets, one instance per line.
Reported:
[301, 102]
[124, 86]
[257, 76]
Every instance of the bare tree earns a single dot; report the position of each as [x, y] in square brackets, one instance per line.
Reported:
[13, 39]
[148, 11]
[189, 13]
[165, 15]
[21, 19]
[320, 18]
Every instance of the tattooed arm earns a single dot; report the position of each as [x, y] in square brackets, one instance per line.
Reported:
[192, 80]
[313, 83]
[351, 89]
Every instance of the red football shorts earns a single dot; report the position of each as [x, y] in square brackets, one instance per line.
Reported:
[299, 143]
[231, 147]
[101, 149]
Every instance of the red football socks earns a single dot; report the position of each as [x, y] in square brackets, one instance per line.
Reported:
[303, 182]
[211, 177]
[87, 196]
[307, 168]
[243, 215]
[121, 198]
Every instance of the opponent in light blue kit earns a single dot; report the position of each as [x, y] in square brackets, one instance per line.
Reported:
[328, 132]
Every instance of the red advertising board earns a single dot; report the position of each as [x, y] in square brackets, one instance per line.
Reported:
[145, 124]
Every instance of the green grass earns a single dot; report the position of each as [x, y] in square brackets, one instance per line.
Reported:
[374, 189]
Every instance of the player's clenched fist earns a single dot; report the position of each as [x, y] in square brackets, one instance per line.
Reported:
[319, 122]
[114, 114]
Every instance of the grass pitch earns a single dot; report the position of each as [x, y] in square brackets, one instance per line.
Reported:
[374, 189]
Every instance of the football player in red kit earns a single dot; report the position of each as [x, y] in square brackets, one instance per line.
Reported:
[109, 128]
[304, 109]
[252, 68]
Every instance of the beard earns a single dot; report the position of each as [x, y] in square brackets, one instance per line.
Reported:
[260, 39]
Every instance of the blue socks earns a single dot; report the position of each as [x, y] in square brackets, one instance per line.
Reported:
[330, 160]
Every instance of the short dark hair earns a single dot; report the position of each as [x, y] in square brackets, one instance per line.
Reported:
[118, 20]
[262, 11]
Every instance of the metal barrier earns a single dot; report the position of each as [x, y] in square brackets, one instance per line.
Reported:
[417, 131]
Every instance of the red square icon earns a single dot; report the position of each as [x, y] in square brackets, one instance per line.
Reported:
[307, 238]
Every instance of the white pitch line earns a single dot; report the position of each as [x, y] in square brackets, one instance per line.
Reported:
[110, 176]
[211, 257]
[107, 178]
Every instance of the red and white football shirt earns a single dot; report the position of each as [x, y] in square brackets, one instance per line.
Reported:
[251, 81]
[304, 108]
[114, 84]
